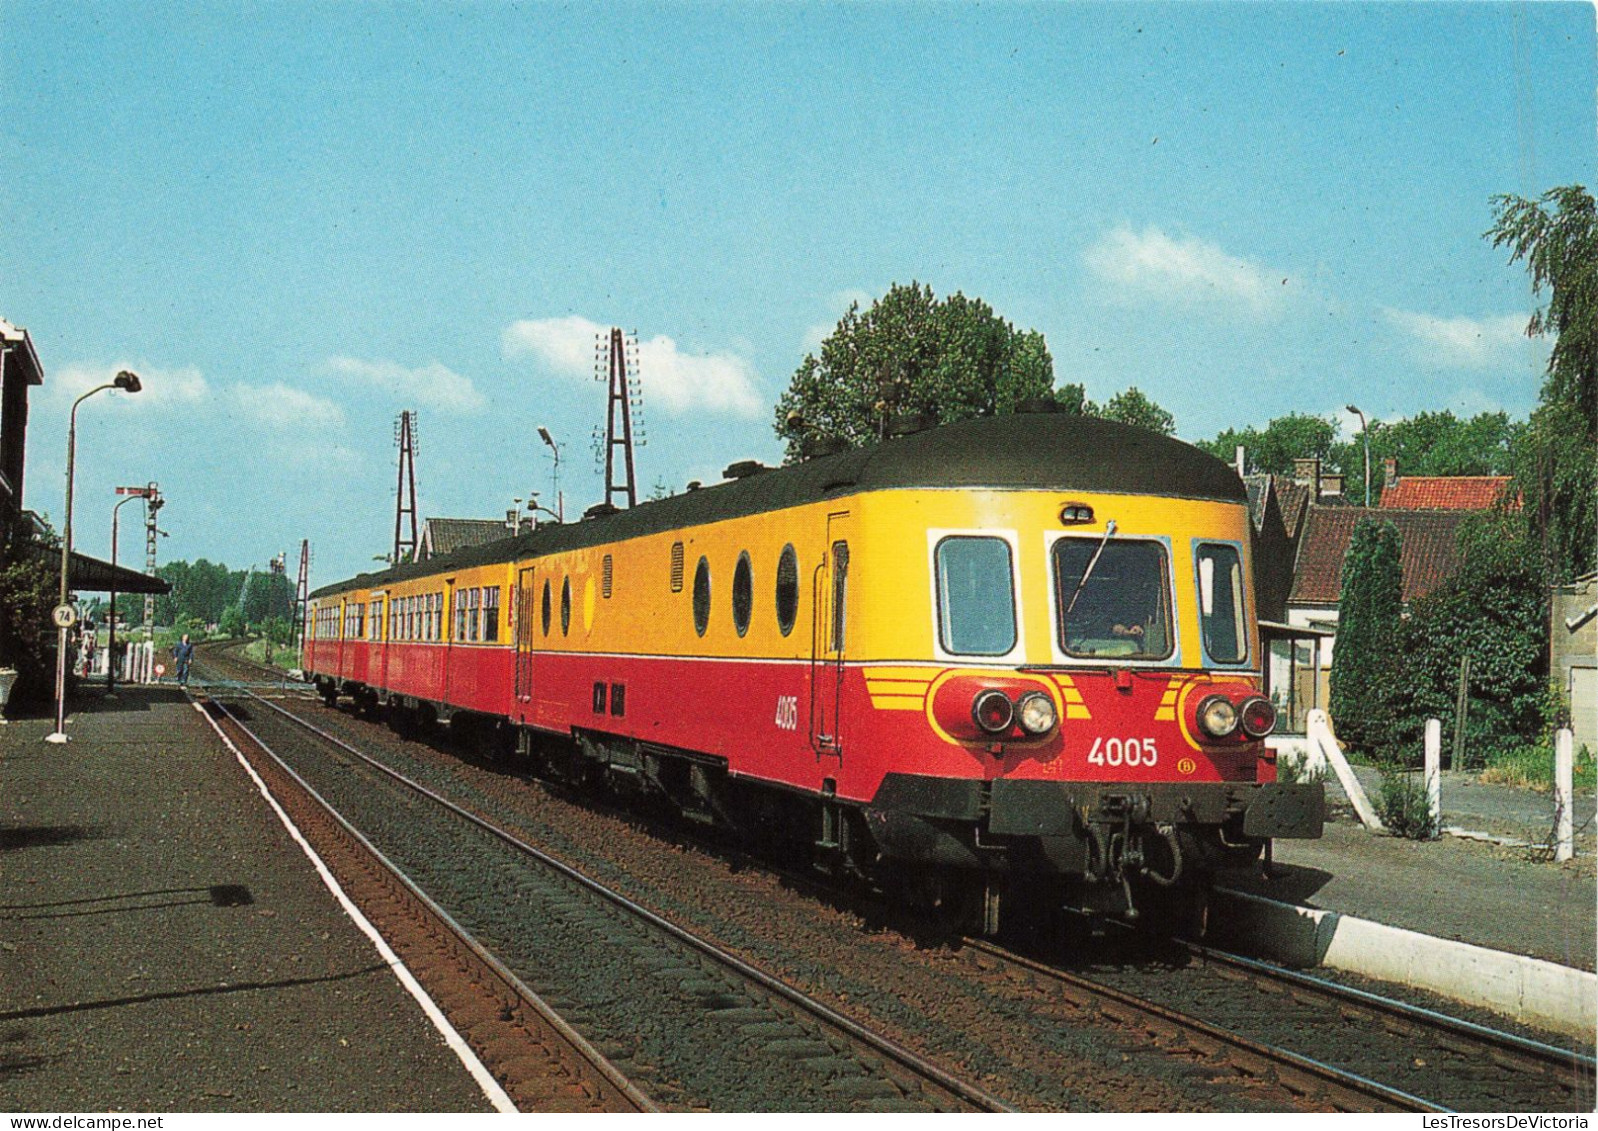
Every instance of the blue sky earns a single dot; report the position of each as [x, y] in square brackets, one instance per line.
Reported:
[296, 220]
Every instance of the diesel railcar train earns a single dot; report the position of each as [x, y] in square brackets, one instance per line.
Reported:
[1012, 657]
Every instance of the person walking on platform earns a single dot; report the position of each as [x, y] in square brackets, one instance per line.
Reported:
[182, 655]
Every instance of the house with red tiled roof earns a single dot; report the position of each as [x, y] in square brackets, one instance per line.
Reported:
[1299, 666]
[1441, 492]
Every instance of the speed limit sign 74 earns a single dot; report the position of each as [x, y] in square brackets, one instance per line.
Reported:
[65, 616]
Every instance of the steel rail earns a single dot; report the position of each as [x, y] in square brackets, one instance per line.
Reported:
[1536, 1052]
[1326, 1075]
[884, 1046]
[610, 1077]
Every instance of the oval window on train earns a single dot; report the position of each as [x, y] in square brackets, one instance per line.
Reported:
[787, 589]
[702, 596]
[565, 606]
[743, 594]
[546, 608]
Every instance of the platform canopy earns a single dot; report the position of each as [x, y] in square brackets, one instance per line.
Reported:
[91, 575]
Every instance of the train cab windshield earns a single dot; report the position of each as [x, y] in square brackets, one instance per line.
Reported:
[1122, 609]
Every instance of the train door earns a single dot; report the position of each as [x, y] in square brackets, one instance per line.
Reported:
[829, 639]
[377, 632]
[525, 592]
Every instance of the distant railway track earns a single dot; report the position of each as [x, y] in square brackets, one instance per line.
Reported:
[1369, 1053]
[731, 1012]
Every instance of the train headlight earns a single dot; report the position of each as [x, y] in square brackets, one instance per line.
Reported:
[1257, 716]
[1217, 716]
[1036, 714]
[992, 711]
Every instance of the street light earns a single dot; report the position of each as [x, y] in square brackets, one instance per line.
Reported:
[128, 382]
[1365, 432]
[560, 500]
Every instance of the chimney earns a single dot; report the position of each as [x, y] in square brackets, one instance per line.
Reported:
[1242, 462]
[1307, 471]
[1389, 472]
[1330, 485]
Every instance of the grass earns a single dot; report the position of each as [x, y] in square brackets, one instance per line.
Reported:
[284, 656]
[1532, 767]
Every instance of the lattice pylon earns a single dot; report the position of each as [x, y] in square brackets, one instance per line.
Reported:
[405, 490]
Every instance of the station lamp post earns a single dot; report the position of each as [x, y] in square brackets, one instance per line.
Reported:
[64, 616]
[1365, 433]
[560, 500]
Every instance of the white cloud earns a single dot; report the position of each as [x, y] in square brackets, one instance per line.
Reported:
[280, 406]
[1176, 269]
[1464, 343]
[158, 387]
[432, 385]
[675, 380]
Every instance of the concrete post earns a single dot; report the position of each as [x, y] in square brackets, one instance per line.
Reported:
[1434, 776]
[1318, 729]
[1564, 794]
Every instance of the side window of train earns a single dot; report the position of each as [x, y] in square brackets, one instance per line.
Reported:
[702, 596]
[491, 613]
[565, 606]
[546, 609]
[840, 592]
[743, 594]
[1220, 586]
[787, 589]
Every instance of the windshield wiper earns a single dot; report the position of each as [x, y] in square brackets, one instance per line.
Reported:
[1109, 529]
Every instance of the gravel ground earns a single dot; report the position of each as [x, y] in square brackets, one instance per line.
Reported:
[1016, 1038]
[164, 946]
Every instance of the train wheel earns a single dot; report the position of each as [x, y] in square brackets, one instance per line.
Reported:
[328, 692]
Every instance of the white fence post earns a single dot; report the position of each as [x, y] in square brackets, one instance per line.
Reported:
[1318, 728]
[1434, 776]
[1564, 794]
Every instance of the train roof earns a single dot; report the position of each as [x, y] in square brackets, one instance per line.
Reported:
[1041, 451]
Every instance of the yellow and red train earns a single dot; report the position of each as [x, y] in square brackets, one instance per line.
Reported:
[1013, 654]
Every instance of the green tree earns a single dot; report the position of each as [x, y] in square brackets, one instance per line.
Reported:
[29, 590]
[1494, 612]
[1364, 665]
[1555, 465]
[950, 359]
[1273, 449]
[1132, 407]
[232, 621]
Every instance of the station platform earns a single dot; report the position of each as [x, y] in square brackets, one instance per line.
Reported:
[1488, 884]
[166, 947]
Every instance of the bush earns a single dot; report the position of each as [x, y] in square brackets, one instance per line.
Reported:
[1403, 806]
[1494, 610]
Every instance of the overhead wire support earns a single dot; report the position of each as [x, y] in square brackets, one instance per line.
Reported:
[611, 364]
[405, 541]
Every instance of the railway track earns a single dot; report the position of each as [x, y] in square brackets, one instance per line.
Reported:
[724, 1011]
[539, 1060]
[1412, 1059]
[1241, 1033]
